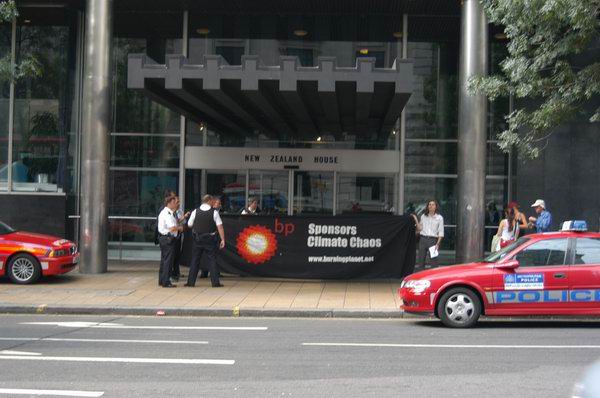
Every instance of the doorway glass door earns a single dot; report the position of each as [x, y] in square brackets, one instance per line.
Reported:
[313, 192]
[271, 189]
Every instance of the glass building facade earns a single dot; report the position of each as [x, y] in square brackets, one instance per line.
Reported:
[39, 143]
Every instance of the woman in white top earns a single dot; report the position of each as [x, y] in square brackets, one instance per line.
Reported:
[508, 230]
[431, 229]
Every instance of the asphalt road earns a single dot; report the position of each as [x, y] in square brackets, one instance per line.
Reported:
[250, 357]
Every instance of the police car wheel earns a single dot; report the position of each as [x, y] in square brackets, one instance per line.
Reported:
[459, 308]
[24, 269]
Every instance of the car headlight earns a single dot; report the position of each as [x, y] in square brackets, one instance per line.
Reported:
[60, 242]
[417, 285]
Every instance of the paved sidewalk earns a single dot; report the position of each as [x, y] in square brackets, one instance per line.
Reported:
[133, 289]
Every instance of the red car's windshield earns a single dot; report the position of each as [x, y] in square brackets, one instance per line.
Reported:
[5, 229]
[499, 255]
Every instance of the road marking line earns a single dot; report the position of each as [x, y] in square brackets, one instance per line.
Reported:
[118, 326]
[173, 361]
[102, 340]
[61, 393]
[8, 352]
[453, 345]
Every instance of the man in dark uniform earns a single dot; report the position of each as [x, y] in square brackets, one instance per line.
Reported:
[205, 222]
[168, 232]
[216, 204]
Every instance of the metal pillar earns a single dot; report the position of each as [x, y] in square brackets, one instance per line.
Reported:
[95, 136]
[182, 122]
[471, 134]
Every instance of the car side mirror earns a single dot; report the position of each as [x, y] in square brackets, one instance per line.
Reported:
[510, 264]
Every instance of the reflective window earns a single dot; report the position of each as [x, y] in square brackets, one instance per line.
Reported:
[230, 187]
[133, 111]
[542, 253]
[431, 157]
[432, 110]
[313, 192]
[145, 144]
[5, 43]
[44, 138]
[365, 193]
[587, 251]
[144, 151]
[496, 160]
[5, 229]
[270, 188]
[496, 191]
[420, 190]
[125, 230]
[500, 254]
[139, 192]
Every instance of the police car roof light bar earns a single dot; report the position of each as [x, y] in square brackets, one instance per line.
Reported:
[574, 225]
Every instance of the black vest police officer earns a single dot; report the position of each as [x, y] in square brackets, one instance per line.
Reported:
[205, 222]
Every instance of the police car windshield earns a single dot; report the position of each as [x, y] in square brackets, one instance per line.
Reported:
[499, 255]
[5, 229]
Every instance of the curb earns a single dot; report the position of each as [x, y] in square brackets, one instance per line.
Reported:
[203, 312]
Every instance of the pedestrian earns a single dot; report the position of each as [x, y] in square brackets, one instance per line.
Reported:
[508, 229]
[181, 217]
[252, 208]
[519, 216]
[205, 223]
[543, 221]
[431, 229]
[216, 204]
[168, 232]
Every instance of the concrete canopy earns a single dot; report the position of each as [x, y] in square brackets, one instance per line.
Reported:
[288, 99]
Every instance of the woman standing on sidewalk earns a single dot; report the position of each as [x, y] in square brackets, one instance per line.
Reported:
[508, 230]
[431, 229]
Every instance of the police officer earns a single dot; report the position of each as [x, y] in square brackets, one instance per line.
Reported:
[216, 204]
[175, 271]
[205, 222]
[168, 232]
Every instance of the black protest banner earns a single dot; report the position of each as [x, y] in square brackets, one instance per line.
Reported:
[318, 247]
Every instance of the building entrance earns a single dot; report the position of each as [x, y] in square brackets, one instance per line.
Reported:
[286, 192]
[291, 181]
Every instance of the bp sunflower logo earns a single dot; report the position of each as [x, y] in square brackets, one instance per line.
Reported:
[256, 244]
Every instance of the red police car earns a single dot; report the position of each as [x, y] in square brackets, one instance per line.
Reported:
[25, 256]
[555, 273]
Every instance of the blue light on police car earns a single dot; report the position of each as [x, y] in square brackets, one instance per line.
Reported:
[574, 225]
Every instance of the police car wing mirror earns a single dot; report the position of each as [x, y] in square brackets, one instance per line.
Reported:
[510, 264]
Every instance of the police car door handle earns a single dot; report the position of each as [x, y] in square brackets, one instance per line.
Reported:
[560, 275]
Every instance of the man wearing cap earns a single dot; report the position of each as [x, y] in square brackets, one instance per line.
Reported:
[544, 219]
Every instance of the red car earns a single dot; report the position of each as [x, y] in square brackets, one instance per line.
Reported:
[555, 273]
[25, 256]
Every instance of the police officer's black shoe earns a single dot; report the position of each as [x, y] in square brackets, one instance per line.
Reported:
[218, 285]
[169, 285]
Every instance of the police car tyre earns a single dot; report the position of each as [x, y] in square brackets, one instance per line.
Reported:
[24, 269]
[459, 308]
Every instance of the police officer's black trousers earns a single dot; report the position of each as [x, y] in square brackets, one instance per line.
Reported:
[167, 257]
[175, 272]
[204, 246]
